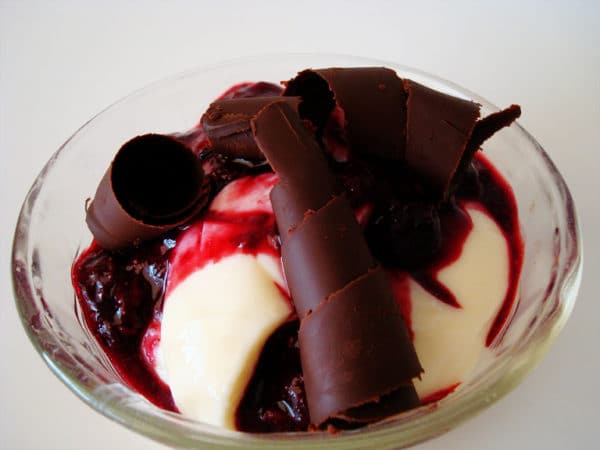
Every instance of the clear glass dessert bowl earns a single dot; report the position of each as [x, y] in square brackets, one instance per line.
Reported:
[51, 232]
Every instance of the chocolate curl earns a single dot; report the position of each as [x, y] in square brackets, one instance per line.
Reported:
[227, 124]
[372, 98]
[154, 184]
[332, 230]
[354, 349]
[434, 134]
[357, 357]
[306, 183]
[287, 215]
[291, 207]
[485, 128]
[438, 129]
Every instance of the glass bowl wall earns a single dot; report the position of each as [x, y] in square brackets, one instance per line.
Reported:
[51, 232]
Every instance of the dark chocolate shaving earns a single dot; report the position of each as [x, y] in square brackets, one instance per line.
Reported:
[132, 204]
[488, 126]
[438, 128]
[433, 133]
[287, 215]
[292, 205]
[357, 356]
[332, 230]
[373, 101]
[401, 399]
[354, 349]
[300, 163]
[227, 125]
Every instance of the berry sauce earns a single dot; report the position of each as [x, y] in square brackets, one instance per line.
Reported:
[121, 292]
[275, 399]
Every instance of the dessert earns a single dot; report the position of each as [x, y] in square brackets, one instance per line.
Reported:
[330, 247]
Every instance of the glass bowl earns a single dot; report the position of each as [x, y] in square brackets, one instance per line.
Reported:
[51, 232]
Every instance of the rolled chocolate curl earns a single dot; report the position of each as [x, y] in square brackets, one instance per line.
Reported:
[296, 157]
[357, 357]
[154, 184]
[444, 132]
[287, 214]
[331, 230]
[433, 133]
[438, 129]
[485, 128]
[352, 351]
[227, 124]
[372, 98]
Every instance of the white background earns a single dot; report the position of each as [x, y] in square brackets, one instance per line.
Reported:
[63, 61]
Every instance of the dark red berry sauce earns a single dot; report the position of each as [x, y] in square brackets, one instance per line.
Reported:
[121, 293]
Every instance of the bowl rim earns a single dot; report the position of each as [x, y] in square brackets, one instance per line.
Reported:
[423, 427]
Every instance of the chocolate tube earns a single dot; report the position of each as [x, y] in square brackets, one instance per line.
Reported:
[332, 230]
[296, 157]
[227, 125]
[372, 98]
[291, 206]
[287, 215]
[357, 357]
[352, 350]
[153, 184]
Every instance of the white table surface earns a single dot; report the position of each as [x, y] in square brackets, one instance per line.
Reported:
[62, 61]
